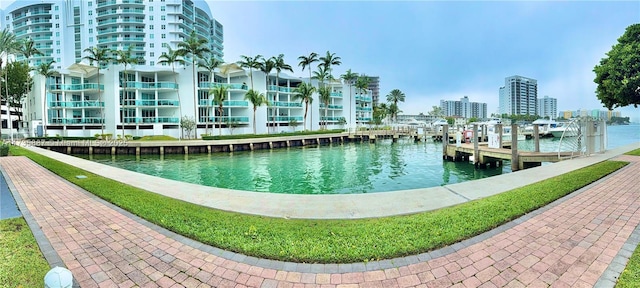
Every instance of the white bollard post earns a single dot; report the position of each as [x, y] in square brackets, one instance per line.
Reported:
[58, 277]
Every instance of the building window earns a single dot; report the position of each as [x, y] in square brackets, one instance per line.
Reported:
[151, 54]
[163, 18]
[57, 42]
[56, 8]
[57, 51]
[150, 36]
[90, 21]
[152, 63]
[150, 8]
[58, 17]
[57, 25]
[89, 3]
[90, 39]
[150, 27]
[164, 36]
[151, 45]
[161, 8]
[163, 27]
[57, 34]
[151, 17]
[90, 12]
[90, 30]
[164, 45]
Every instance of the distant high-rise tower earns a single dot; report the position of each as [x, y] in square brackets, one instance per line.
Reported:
[547, 107]
[374, 86]
[518, 96]
[464, 108]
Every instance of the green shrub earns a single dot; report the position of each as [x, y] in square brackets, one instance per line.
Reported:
[4, 149]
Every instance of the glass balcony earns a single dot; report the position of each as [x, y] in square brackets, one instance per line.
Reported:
[75, 87]
[162, 102]
[106, 3]
[234, 103]
[225, 119]
[151, 85]
[331, 106]
[363, 98]
[285, 118]
[279, 88]
[363, 118]
[85, 120]
[76, 104]
[336, 94]
[330, 118]
[364, 109]
[151, 120]
[287, 104]
[236, 86]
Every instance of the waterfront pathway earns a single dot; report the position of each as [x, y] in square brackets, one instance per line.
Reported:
[582, 240]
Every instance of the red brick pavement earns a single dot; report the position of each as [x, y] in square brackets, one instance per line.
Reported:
[569, 245]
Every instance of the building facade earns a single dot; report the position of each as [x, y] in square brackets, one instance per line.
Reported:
[463, 108]
[547, 107]
[146, 97]
[518, 96]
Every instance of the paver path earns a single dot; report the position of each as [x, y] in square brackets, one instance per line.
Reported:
[568, 245]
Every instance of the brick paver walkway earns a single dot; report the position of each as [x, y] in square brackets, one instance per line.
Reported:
[569, 245]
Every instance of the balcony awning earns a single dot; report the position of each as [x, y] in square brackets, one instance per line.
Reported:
[83, 69]
[229, 68]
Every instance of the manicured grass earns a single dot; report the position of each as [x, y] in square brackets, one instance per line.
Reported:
[634, 152]
[21, 262]
[329, 241]
[630, 277]
[156, 138]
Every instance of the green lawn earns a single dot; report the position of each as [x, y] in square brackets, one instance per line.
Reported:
[630, 277]
[21, 262]
[634, 152]
[329, 241]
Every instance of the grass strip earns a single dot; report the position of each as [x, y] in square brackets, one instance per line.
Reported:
[633, 152]
[630, 276]
[329, 241]
[21, 262]
[283, 134]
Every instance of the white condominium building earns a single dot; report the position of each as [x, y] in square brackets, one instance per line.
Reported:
[547, 107]
[464, 108]
[518, 96]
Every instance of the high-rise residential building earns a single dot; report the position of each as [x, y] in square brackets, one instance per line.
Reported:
[464, 108]
[547, 107]
[518, 96]
[374, 86]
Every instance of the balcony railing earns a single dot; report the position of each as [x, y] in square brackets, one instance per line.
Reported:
[364, 109]
[85, 120]
[151, 85]
[238, 86]
[79, 104]
[363, 118]
[75, 87]
[336, 94]
[285, 118]
[330, 118]
[151, 120]
[280, 88]
[363, 99]
[233, 103]
[224, 119]
[331, 106]
[287, 104]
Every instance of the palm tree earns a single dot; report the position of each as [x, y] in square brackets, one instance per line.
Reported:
[394, 110]
[46, 70]
[266, 66]
[304, 93]
[194, 47]
[172, 57]
[325, 98]
[348, 78]
[329, 60]
[251, 63]
[362, 84]
[100, 56]
[257, 99]
[279, 65]
[27, 49]
[219, 94]
[394, 97]
[8, 45]
[306, 61]
[380, 112]
[125, 58]
[210, 64]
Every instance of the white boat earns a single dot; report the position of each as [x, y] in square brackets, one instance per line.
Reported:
[544, 127]
[564, 130]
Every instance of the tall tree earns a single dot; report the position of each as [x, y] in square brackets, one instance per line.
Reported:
[18, 84]
[27, 49]
[306, 61]
[304, 93]
[394, 97]
[173, 57]
[210, 64]
[325, 98]
[257, 99]
[349, 77]
[618, 74]
[101, 57]
[266, 67]
[380, 112]
[8, 45]
[219, 94]
[330, 59]
[46, 70]
[126, 58]
[279, 65]
[194, 47]
[251, 63]
[437, 111]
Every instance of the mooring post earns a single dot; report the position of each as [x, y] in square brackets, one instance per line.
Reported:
[499, 128]
[536, 138]
[445, 135]
[476, 147]
[514, 147]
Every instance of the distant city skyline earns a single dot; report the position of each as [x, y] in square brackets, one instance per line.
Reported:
[440, 50]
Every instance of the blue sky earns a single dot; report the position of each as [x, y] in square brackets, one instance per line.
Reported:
[440, 50]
